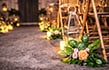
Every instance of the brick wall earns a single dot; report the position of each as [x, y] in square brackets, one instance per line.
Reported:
[10, 4]
[45, 3]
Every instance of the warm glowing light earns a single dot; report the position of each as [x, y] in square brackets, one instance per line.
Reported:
[4, 9]
[10, 27]
[15, 19]
[41, 18]
[4, 29]
[62, 45]
[42, 27]
[1, 27]
[51, 9]
[48, 34]
[17, 24]
[66, 27]
[11, 22]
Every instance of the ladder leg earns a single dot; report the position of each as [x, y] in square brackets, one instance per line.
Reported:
[99, 30]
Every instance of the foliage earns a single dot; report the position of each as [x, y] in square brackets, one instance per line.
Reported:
[82, 53]
[13, 12]
[54, 33]
[44, 26]
[8, 20]
[42, 11]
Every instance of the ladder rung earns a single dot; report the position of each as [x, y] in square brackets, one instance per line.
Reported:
[94, 37]
[108, 53]
[103, 32]
[73, 32]
[107, 46]
[65, 17]
[107, 38]
[104, 37]
[100, 13]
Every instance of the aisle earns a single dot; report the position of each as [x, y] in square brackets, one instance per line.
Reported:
[25, 48]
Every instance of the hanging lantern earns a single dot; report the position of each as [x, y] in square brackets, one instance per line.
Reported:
[4, 7]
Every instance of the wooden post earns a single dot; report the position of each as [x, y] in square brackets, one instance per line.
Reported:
[99, 29]
[87, 28]
[60, 15]
[85, 17]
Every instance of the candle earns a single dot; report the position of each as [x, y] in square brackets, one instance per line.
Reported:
[62, 45]
[48, 34]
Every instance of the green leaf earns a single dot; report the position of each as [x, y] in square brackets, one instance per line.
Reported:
[94, 45]
[98, 61]
[68, 50]
[72, 43]
[62, 52]
[91, 64]
[66, 60]
[85, 39]
[74, 61]
[81, 46]
[86, 44]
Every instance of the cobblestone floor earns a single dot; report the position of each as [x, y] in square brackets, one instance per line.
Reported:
[25, 48]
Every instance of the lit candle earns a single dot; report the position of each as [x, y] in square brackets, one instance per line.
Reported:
[48, 34]
[62, 45]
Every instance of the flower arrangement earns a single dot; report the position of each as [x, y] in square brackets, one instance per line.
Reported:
[82, 53]
[54, 33]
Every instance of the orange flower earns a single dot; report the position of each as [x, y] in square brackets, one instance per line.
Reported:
[83, 55]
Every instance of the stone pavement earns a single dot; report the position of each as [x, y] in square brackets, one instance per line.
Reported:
[25, 48]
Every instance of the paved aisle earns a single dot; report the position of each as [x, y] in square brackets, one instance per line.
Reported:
[25, 48]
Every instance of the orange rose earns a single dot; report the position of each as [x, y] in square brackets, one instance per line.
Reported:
[83, 55]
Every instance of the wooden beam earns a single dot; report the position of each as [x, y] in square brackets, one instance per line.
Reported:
[62, 25]
[85, 17]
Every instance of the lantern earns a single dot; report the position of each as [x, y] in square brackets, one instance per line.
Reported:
[4, 7]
